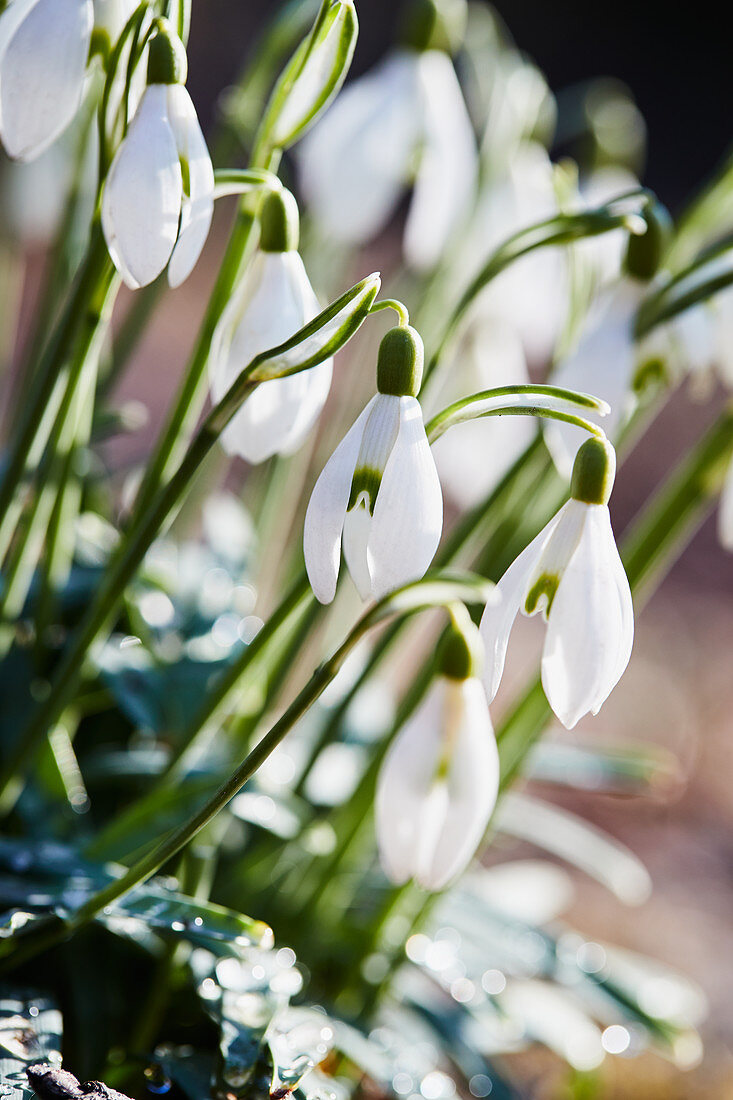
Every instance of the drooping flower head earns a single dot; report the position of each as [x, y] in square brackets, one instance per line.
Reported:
[159, 196]
[438, 785]
[404, 122]
[273, 301]
[379, 492]
[572, 574]
[44, 46]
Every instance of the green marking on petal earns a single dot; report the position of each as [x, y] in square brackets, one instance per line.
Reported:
[651, 374]
[542, 594]
[365, 483]
[186, 174]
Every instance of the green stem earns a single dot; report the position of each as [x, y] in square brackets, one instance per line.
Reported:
[35, 418]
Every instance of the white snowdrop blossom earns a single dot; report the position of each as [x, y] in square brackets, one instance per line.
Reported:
[159, 196]
[273, 301]
[404, 122]
[112, 15]
[571, 573]
[531, 294]
[472, 459]
[44, 47]
[379, 492]
[438, 785]
[603, 363]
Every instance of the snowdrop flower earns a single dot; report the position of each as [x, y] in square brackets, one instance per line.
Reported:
[44, 46]
[404, 121]
[572, 573]
[439, 781]
[473, 459]
[273, 301]
[112, 15]
[603, 363]
[380, 489]
[159, 196]
[531, 294]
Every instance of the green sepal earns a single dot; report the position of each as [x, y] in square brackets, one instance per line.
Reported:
[400, 362]
[167, 62]
[645, 251]
[434, 25]
[594, 471]
[279, 223]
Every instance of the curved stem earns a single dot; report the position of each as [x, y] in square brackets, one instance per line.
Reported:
[441, 423]
[399, 307]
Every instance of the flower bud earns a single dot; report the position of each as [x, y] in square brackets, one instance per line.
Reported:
[594, 472]
[400, 362]
[644, 252]
[279, 223]
[434, 25]
[167, 62]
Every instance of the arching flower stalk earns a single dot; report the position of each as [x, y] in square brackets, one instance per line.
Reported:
[44, 47]
[159, 196]
[379, 492]
[439, 781]
[572, 574]
[406, 121]
[273, 301]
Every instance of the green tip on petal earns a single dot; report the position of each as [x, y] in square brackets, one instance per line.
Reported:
[434, 25]
[460, 652]
[594, 472]
[167, 62]
[400, 362]
[279, 223]
[645, 251]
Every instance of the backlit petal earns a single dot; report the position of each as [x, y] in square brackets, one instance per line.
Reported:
[590, 629]
[408, 515]
[141, 206]
[198, 205]
[324, 519]
[42, 67]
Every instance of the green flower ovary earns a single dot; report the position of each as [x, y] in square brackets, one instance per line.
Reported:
[545, 586]
[365, 483]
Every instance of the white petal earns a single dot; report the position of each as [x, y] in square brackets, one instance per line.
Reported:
[472, 784]
[357, 526]
[725, 511]
[602, 365]
[112, 15]
[446, 176]
[590, 629]
[42, 72]
[355, 161]
[408, 514]
[141, 206]
[274, 300]
[405, 780]
[499, 615]
[198, 206]
[324, 519]
[473, 458]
